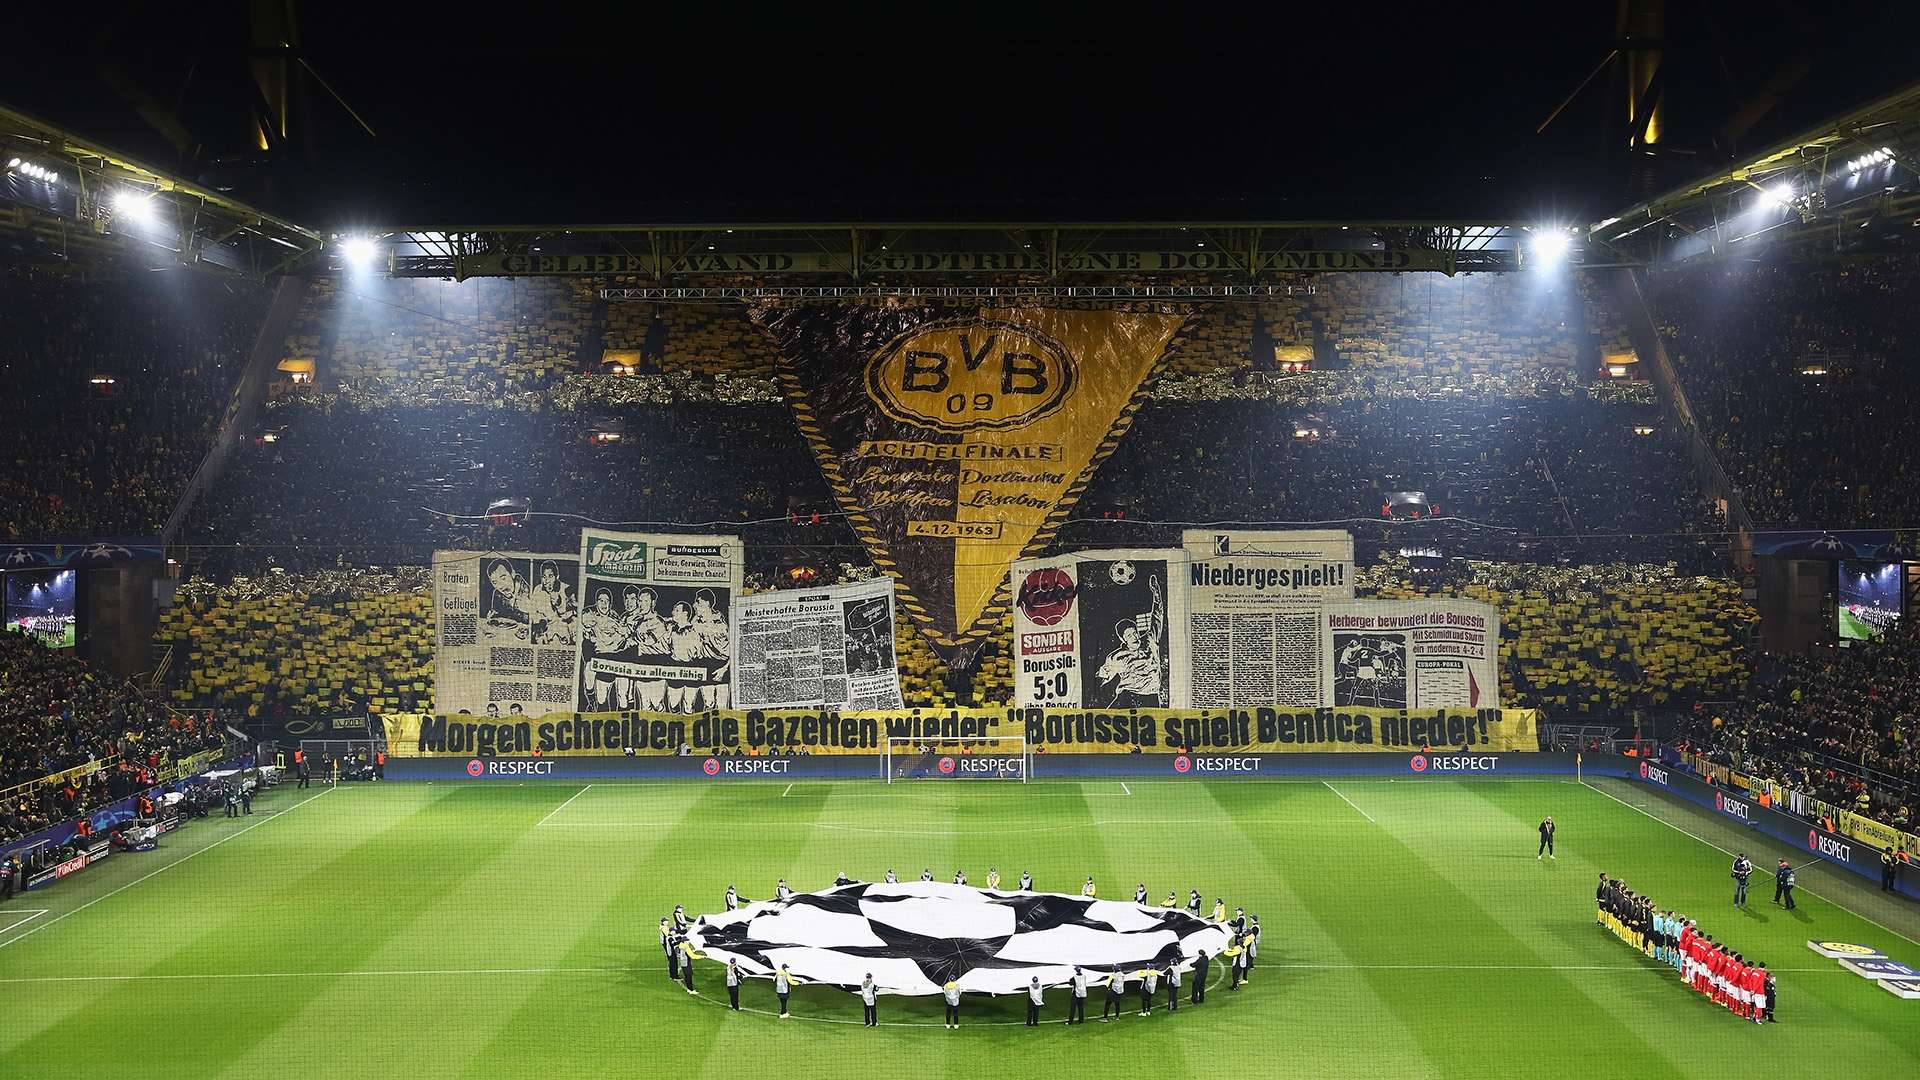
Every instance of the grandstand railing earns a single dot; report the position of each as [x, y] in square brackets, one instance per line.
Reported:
[185, 766]
[244, 405]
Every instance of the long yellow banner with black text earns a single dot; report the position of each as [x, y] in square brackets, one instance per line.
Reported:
[1060, 731]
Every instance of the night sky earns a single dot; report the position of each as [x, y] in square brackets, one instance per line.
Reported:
[1037, 112]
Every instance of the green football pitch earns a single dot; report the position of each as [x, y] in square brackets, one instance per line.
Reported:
[495, 930]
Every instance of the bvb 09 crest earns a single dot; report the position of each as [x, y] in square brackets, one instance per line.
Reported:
[970, 374]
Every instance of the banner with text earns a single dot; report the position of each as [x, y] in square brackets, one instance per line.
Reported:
[654, 632]
[816, 648]
[957, 439]
[1411, 654]
[505, 630]
[1252, 635]
[1075, 731]
[1095, 628]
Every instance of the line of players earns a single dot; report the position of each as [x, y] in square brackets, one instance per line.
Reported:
[1709, 967]
[1242, 949]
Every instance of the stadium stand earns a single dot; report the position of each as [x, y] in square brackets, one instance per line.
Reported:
[56, 715]
[115, 392]
[1804, 378]
[1842, 725]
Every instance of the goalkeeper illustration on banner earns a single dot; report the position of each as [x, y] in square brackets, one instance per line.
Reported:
[1133, 674]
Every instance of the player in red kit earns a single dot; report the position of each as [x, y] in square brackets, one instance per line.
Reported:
[1737, 986]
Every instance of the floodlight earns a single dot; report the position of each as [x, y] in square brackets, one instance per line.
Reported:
[1779, 194]
[358, 251]
[136, 206]
[1550, 245]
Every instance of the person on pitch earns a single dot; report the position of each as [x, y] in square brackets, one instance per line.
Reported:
[1140, 893]
[1783, 885]
[1026, 881]
[1767, 993]
[666, 946]
[1236, 954]
[1889, 870]
[733, 985]
[733, 899]
[959, 877]
[781, 891]
[1546, 840]
[783, 987]
[1077, 1003]
[993, 877]
[686, 965]
[1035, 999]
[926, 874]
[840, 878]
[1149, 982]
[1600, 902]
[951, 992]
[1088, 889]
[1220, 909]
[1238, 922]
[680, 917]
[1742, 870]
[1253, 944]
[1199, 980]
[892, 878]
[1116, 991]
[867, 1002]
[1173, 900]
[1193, 902]
[1173, 986]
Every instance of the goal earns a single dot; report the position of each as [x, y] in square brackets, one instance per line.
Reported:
[983, 757]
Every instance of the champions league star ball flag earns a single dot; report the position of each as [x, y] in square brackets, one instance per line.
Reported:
[915, 937]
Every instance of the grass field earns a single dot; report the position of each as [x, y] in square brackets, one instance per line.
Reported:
[485, 930]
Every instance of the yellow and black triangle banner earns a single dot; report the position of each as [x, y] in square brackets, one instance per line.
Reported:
[957, 440]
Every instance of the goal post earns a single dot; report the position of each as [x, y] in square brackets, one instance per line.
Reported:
[981, 757]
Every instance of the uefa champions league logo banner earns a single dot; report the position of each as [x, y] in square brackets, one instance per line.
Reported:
[1173, 732]
[957, 439]
[655, 622]
[506, 630]
[1095, 628]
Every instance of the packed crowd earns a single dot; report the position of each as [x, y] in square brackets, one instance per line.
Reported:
[1840, 725]
[1805, 379]
[114, 393]
[56, 714]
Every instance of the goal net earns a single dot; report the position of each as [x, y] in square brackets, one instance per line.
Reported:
[986, 757]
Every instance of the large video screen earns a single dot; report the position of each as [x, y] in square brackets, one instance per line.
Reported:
[39, 604]
[1870, 594]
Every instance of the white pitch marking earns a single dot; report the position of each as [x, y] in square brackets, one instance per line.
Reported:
[1724, 851]
[1125, 788]
[1349, 802]
[563, 805]
[161, 870]
[30, 913]
[787, 792]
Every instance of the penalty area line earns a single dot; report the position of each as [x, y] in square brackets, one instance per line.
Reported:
[562, 806]
[1349, 802]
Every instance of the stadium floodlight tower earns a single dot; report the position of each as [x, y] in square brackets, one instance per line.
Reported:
[973, 757]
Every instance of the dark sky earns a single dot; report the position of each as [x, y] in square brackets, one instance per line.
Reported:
[1037, 112]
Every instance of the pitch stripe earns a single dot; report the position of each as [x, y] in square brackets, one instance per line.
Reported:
[163, 869]
[1349, 802]
[1724, 851]
[562, 806]
[618, 969]
[1020, 831]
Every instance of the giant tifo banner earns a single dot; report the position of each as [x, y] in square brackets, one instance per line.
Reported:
[1253, 630]
[816, 648]
[1097, 629]
[957, 439]
[654, 632]
[1066, 731]
[1411, 654]
[505, 630]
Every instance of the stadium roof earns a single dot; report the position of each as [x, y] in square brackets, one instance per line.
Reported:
[1847, 184]
[72, 203]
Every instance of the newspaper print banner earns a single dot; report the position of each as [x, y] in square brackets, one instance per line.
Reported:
[506, 628]
[816, 648]
[1095, 629]
[655, 629]
[1252, 635]
[1411, 654]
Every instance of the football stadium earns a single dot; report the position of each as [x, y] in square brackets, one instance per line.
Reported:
[504, 577]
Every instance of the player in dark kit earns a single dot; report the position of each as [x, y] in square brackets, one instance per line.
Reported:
[1742, 870]
[1546, 840]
